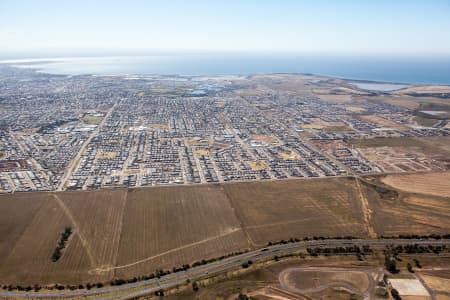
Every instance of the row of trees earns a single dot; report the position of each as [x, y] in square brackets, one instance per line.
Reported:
[57, 253]
[207, 261]
[417, 237]
[340, 250]
[314, 238]
[414, 248]
[348, 237]
[58, 287]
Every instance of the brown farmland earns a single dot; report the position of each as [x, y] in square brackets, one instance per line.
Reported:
[437, 184]
[170, 226]
[287, 209]
[396, 211]
[126, 233]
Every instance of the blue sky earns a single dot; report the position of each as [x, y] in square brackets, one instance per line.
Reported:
[362, 27]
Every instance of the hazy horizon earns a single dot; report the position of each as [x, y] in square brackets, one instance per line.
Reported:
[60, 55]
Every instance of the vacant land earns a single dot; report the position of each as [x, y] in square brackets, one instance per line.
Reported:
[437, 184]
[399, 98]
[271, 211]
[396, 211]
[117, 233]
[170, 226]
[27, 251]
[403, 154]
[97, 217]
[125, 233]
[428, 145]
[436, 282]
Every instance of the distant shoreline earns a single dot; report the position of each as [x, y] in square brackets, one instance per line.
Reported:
[186, 65]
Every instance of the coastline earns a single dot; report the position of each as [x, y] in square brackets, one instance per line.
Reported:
[210, 66]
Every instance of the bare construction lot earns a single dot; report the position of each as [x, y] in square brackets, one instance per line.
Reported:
[125, 233]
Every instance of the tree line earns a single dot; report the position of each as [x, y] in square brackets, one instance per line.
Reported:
[57, 253]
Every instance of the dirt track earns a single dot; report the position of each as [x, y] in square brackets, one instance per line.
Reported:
[285, 284]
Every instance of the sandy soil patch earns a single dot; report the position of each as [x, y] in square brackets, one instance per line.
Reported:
[289, 156]
[201, 152]
[257, 165]
[106, 155]
[263, 138]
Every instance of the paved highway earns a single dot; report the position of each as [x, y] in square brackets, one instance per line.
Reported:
[145, 287]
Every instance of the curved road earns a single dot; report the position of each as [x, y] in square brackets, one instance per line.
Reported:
[146, 287]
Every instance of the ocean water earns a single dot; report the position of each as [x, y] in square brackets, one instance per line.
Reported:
[435, 70]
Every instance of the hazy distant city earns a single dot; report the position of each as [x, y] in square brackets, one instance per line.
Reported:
[87, 132]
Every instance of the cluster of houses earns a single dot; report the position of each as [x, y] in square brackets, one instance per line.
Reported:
[88, 132]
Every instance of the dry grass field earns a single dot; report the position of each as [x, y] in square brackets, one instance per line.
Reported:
[126, 233]
[169, 226]
[115, 232]
[403, 212]
[16, 213]
[270, 211]
[436, 282]
[406, 154]
[434, 203]
[28, 256]
[97, 217]
[437, 184]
